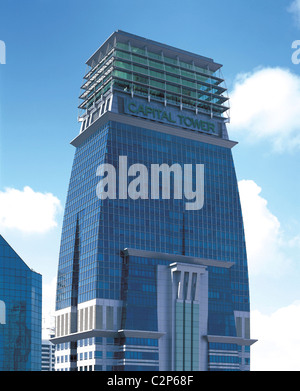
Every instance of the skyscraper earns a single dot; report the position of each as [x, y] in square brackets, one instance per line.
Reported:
[152, 270]
[20, 313]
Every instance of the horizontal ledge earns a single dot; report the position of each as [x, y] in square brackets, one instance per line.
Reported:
[228, 339]
[176, 258]
[108, 334]
[84, 334]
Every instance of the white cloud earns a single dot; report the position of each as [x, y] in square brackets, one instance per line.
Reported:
[278, 345]
[265, 246]
[294, 8]
[265, 105]
[28, 211]
[270, 267]
[294, 242]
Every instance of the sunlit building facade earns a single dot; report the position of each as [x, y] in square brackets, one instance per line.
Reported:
[20, 313]
[152, 275]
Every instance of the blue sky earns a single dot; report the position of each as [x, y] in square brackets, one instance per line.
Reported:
[47, 44]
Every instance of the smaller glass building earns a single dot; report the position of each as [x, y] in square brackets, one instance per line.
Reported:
[20, 313]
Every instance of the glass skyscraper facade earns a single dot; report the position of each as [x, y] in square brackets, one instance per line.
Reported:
[152, 270]
[20, 313]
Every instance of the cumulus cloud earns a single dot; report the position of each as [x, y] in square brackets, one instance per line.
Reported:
[294, 242]
[294, 8]
[278, 337]
[265, 105]
[271, 267]
[264, 238]
[28, 211]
